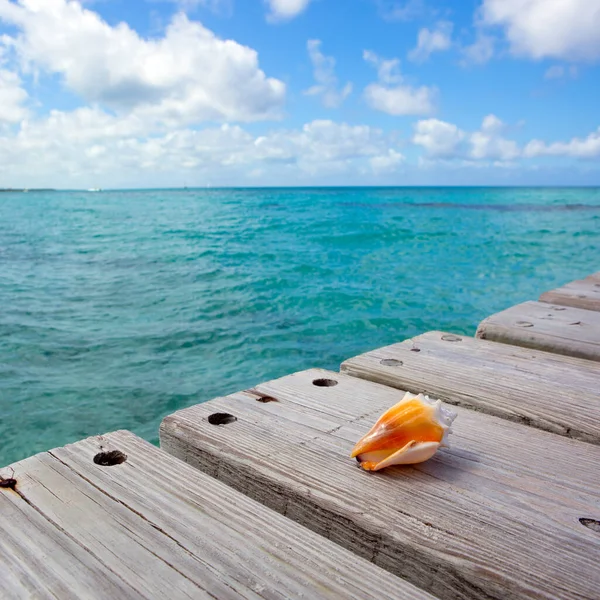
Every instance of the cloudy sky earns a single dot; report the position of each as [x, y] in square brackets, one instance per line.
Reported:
[170, 93]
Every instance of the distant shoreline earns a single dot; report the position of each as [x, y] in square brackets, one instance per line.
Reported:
[315, 187]
[28, 190]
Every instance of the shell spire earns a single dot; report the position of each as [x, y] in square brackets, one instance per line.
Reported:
[408, 433]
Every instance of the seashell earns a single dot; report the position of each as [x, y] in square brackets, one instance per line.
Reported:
[408, 433]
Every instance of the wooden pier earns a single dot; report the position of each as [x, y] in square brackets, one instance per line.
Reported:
[551, 392]
[254, 495]
[142, 524]
[584, 293]
[559, 329]
[482, 519]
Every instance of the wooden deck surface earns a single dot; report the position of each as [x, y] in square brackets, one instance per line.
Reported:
[584, 293]
[552, 392]
[153, 527]
[549, 327]
[508, 512]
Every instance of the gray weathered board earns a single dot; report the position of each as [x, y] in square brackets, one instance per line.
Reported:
[584, 293]
[559, 329]
[153, 527]
[552, 392]
[496, 516]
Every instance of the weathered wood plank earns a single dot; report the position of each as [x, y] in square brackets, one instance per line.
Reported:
[548, 391]
[584, 293]
[559, 329]
[153, 527]
[495, 516]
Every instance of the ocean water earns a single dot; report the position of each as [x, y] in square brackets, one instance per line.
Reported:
[118, 308]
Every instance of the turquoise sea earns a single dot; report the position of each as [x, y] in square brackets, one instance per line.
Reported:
[117, 308]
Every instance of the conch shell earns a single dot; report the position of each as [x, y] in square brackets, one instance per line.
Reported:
[408, 433]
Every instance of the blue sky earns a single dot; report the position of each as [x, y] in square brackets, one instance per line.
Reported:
[151, 93]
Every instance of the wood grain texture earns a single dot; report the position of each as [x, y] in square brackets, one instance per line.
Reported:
[153, 527]
[549, 327]
[584, 293]
[556, 393]
[495, 516]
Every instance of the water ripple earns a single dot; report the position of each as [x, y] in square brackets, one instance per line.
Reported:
[119, 308]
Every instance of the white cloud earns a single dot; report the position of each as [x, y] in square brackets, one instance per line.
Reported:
[88, 147]
[12, 98]
[327, 82]
[189, 75]
[391, 95]
[388, 70]
[400, 100]
[387, 163]
[284, 10]
[588, 147]
[446, 140]
[324, 141]
[439, 138]
[488, 143]
[561, 29]
[428, 41]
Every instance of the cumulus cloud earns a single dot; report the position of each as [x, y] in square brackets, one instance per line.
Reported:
[285, 10]
[586, 148]
[392, 95]
[440, 139]
[400, 100]
[12, 98]
[560, 29]
[189, 75]
[488, 143]
[429, 41]
[324, 142]
[445, 140]
[387, 163]
[324, 73]
[88, 147]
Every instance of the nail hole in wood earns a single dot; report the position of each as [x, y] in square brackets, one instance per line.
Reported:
[591, 524]
[451, 338]
[524, 324]
[221, 419]
[110, 459]
[391, 362]
[266, 399]
[325, 382]
[582, 296]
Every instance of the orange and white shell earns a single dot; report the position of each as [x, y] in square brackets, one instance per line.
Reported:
[408, 433]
